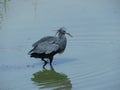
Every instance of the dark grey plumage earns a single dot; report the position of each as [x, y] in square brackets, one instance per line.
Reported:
[48, 46]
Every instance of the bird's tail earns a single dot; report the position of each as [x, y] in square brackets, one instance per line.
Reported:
[30, 51]
[35, 55]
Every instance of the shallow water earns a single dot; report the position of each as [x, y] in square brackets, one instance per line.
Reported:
[91, 60]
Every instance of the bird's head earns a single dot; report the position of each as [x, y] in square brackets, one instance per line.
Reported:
[62, 31]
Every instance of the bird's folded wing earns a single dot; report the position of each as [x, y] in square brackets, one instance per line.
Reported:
[44, 39]
[46, 48]
[41, 48]
[52, 48]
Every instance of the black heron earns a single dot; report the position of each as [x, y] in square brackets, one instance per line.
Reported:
[48, 46]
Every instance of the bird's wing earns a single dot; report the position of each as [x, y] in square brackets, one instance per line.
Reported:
[46, 45]
[44, 39]
[52, 48]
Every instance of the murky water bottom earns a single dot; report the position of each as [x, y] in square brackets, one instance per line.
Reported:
[91, 60]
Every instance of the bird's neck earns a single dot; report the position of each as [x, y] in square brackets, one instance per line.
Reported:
[61, 36]
[62, 42]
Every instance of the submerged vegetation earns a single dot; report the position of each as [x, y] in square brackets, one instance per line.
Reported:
[51, 79]
[3, 9]
[1, 17]
[4, 6]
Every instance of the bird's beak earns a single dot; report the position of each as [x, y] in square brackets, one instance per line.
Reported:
[69, 34]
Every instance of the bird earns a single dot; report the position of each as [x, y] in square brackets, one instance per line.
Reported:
[48, 46]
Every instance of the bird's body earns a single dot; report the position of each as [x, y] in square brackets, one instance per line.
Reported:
[48, 46]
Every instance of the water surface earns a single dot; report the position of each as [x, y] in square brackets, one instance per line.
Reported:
[91, 60]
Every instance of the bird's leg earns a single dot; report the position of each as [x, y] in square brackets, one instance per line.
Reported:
[52, 68]
[45, 62]
[51, 59]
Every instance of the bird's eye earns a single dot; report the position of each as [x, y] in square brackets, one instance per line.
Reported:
[63, 31]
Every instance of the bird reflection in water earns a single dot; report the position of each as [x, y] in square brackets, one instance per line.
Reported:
[51, 79]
